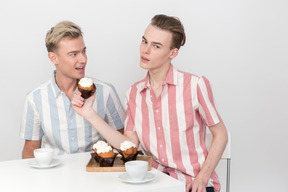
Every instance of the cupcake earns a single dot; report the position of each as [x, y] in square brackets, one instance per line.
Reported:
[105, 152]
[106, 156]
[86, 87]
[128, 151]
[95, 147]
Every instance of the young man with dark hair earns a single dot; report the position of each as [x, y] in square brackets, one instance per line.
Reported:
[168, 112]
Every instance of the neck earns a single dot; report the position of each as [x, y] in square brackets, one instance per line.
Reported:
[66, 85]
[156, 79]
[158, 76]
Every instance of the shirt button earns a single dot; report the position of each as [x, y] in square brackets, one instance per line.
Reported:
[156, 110]
[158, 128]
[162, 159]
[72, 138]
[161, 146]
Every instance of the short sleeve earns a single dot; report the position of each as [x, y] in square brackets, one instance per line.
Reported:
[207, 109]
[30, 128]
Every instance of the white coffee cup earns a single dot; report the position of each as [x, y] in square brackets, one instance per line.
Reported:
[136, 170]
[44, 156]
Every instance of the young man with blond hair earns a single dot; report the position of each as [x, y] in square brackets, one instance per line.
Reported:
[168, 112]
[48, 118]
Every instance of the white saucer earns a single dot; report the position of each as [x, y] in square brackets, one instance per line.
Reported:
[148, 177]
[34, 164]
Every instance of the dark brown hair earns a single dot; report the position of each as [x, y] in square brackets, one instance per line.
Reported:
[172, 24]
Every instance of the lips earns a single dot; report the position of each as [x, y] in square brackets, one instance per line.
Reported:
[79, 68]
[144, 59]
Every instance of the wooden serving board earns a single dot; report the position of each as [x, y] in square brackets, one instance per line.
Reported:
[118, 165]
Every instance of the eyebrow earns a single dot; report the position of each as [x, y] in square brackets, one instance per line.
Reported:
[155, 43]
[76, 51]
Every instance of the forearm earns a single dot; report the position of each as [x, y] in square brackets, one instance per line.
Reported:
[114, 137]
[85, 109]
[29, 147]
[216, 150]
[27, 154]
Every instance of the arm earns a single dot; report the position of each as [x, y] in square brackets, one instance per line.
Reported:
[85, 109]
[115, 138]
[219, 141]
[29, 147]
[30, 128]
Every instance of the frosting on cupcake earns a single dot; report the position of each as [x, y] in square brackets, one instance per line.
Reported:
[99, 144]
[126, 145]
[104, 149]
[85, 82]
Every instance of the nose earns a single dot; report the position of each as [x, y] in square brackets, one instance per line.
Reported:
[147, 49]
[83, 58]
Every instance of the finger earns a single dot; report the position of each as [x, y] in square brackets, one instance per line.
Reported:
[77, 92]
[77, 100]
[77, 97]
[198, 189]
[188, 187]
[77, 103]
[195, 189]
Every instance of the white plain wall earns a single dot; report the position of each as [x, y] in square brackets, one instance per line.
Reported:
[240, 46]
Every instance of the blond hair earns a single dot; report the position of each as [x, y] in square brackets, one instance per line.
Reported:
[61, 30]
[173, 25]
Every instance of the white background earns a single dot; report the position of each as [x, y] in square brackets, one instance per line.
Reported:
[240, 46]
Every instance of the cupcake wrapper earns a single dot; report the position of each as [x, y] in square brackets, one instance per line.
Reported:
[86, 94]
[129, 158]
[103, 162]
[95, 156]
[106, 162]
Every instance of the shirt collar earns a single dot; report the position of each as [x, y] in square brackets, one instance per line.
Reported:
[171, 79]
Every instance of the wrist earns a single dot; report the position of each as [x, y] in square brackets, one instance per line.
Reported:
[90, 115]
[202, 179]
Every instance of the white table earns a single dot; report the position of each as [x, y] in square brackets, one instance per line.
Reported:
[71, 175]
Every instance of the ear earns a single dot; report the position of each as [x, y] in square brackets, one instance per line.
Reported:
[173, 53]
[53, 58]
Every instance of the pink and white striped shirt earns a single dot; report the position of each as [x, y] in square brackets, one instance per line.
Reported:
[172, 127]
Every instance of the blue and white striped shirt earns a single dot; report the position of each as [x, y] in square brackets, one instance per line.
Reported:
[49, 115]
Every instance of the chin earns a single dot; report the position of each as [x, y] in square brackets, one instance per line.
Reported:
[80, 76]
[144, 65]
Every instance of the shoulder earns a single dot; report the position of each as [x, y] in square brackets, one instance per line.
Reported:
[41, 88]
[138, 83]
[186, 75]
[103, 86]
[136, 87]
[194, 80]
[203, 80]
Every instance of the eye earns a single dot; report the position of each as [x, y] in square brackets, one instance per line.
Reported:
[156, 46]
[144, 41]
